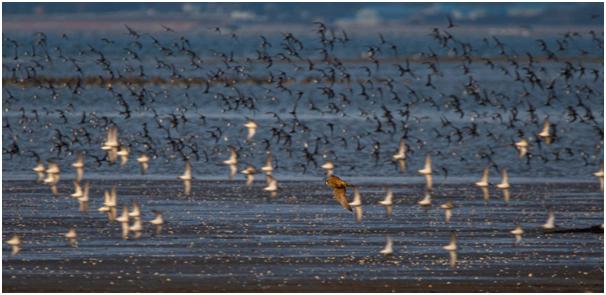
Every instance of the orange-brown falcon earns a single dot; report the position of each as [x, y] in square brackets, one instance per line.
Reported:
[339, 189]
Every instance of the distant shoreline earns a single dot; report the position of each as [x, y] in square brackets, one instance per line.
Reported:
[203, 25]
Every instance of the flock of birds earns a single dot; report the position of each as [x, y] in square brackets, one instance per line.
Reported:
[339, 191]
[332, 70]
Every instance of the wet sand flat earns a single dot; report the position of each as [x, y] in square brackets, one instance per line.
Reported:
[229, 237]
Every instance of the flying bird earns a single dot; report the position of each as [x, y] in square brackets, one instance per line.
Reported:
[339, 189]
[249, 172]
[400, 155]
[71, 237]
[426, 201]
[143, 161]
[268, 167]
[40, 171]
[158, 221]
[517, 232]
[272, 185]
[550, 222]
[329, 167]
[79, 165]
[388, 249]
[388, 202]
[448, 206]
[504, 180]
[545, 133]
[427, 168]
[251, 126]
[15, 243]
[484, 180]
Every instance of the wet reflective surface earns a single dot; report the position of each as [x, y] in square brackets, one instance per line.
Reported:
[228, 237]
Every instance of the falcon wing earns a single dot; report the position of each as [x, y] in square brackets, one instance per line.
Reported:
[339, 194]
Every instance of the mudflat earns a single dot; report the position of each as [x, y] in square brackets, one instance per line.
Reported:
[229, 237]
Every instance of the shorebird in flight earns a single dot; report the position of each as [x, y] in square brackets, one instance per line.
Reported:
[357, 200]
[187, 172]
[249, 172]
[550, 222]
[329, 167]
[517, 232]
[452, 249]
[426, 171]
[83, 200]
[452, 246]
[123, 153]
[109, 203]
[40, 171]
[388, 249]
[427, 168]
[186, 178]
[143, 161]
[448, 206]
[15, 243]
[136, 211]
[158, 221]
[600, 175]
[426, 201]
[522, 147]
[111, 144]
[388, 202]
[545, 133]
[79, 165]
[483, 182]
[77, 190]
[71, 237]
[272, 185]
[268, 167]
[232, 162]
[252, 128]
[400, 156]
[356, 204]
[136, 228]
[504, 180]
[52, 176]
[124, 222]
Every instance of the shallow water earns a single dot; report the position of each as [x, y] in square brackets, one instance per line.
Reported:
[251, 240]
[227, 236]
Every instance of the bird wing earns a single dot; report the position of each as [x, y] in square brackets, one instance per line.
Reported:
[389, 196]
[388, 245]
[114, 135]
[485, 175]
[427, 162]
[339, 194]
[187, 169]
[550, 219]
[545, 127]
[232, 154]
[402, 149]
[357, 196]
[251, 132]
